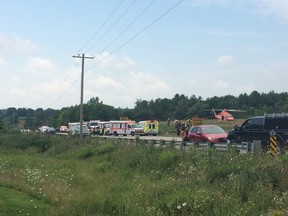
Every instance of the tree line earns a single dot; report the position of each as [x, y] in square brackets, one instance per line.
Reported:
[178, 107]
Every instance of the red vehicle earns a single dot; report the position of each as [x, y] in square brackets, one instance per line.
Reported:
[207, 133]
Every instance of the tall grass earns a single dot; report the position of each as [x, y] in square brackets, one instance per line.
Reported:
[102, 177]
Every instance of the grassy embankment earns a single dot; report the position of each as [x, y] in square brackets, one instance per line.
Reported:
[46, 175]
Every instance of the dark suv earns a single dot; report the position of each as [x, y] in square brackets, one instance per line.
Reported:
[259, 128]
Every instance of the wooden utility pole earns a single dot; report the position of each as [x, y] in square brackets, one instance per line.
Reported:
[81, 97]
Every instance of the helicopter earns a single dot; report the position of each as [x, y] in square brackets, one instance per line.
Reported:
[224, 115]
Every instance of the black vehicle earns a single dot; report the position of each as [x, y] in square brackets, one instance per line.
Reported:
[260, 127]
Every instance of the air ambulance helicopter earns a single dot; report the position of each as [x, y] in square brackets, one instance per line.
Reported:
[224, 115]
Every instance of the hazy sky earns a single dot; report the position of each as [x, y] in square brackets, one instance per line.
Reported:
[142, 50]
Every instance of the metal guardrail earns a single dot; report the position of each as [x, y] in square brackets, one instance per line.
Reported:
[244, 147]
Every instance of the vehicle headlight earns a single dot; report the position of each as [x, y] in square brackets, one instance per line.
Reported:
[211, 138]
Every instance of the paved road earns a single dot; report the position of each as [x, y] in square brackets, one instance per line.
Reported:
[156, 138]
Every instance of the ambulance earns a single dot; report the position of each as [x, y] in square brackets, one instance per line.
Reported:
[125, 128]
[104, 127]
[150, 127]
[92, 124]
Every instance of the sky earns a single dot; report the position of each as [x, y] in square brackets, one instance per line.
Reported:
[141, 50]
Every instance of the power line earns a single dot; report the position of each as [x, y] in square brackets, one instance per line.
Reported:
[127, 41]
[85, 44]
[138, 33]
[58, 86]
[61, 96]
[113, 12]
[129, 25]
[121, 16]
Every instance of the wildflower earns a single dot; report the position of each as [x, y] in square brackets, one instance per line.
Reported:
[179, 207]
[184, 204]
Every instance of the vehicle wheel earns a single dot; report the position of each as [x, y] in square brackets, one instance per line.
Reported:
[232, 142]
[132, 133]
[115, 133]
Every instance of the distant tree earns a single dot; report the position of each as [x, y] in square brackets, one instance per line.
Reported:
[29, 122]
[94, 100]
[1, 122]
[255, 99]
[243, 101]
[40, 117]
[162, 108]
[143, 115]
[99, 111]
[182, 108]
[197, 108]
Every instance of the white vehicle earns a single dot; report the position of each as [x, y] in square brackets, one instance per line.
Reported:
[47, 130]
[104, 127]
[125, 128]
[64, 129]
[150, 127]
[74, 128]
[92, 124]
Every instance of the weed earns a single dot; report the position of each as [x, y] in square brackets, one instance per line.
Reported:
[118, 178]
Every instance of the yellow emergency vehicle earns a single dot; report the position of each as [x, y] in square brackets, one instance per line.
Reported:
[150, 127]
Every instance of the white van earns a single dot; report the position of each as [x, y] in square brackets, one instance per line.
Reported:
[74, 129]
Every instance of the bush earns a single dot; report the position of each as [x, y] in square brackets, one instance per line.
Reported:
[167, 159]
[25, 141]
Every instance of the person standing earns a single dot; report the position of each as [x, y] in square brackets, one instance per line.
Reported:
[184, 136]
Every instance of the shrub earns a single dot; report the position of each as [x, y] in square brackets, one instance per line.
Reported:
[168, 158]
[25, 141]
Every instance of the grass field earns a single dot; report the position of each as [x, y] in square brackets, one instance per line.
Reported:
[13, 202]
[49, 175]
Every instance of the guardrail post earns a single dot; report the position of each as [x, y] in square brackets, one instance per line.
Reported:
[210, 145]
[248, 146]
[256, 146]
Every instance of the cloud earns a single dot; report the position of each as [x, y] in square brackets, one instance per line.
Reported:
[106, 60]
[226, 60]
[146, 83]
[15, 44]
[278, 8]
[39, 66]
[222, 84]
[101, 81]
[2, 61]
[124, 90]
[197, 3]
